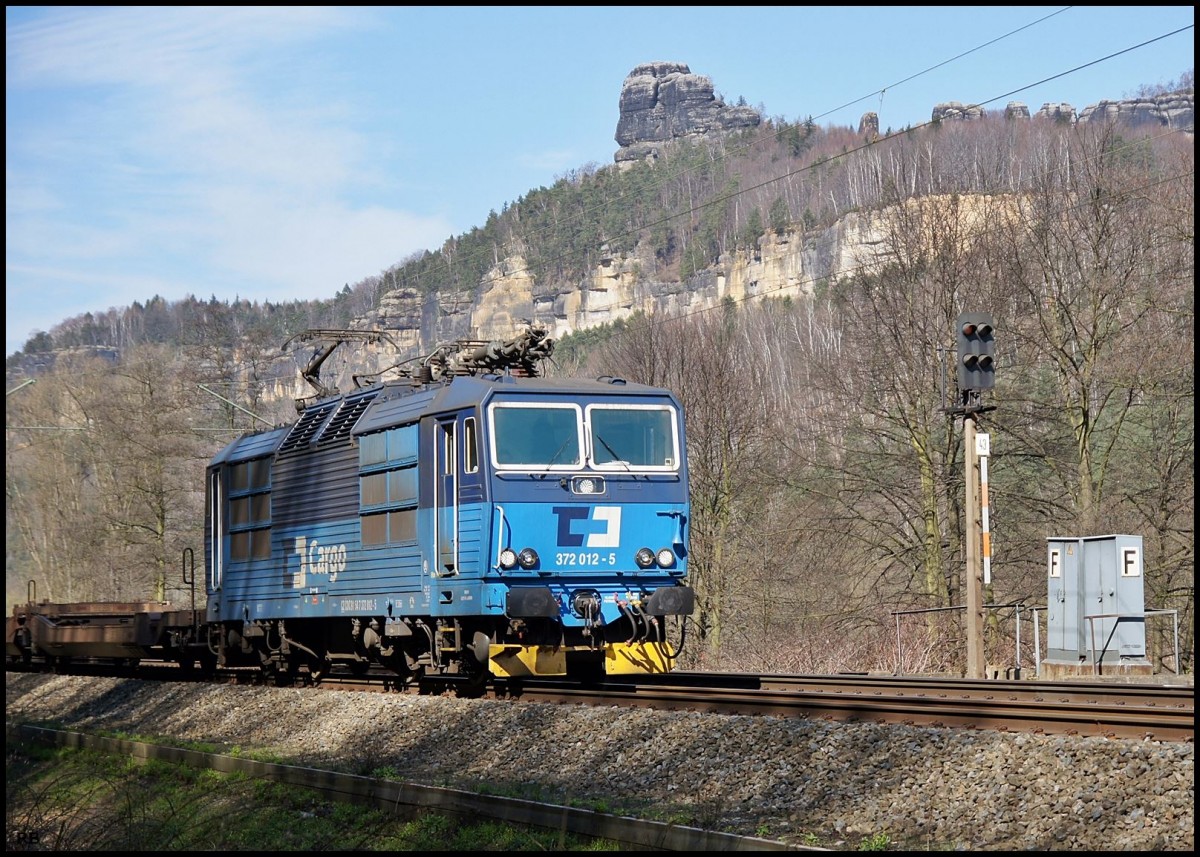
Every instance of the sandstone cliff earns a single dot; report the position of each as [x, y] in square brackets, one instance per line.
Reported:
[786, 264]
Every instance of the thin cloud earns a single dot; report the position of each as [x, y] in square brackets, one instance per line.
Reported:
[149, 46]
[182, 141]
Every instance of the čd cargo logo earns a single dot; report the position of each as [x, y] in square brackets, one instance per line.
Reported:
[316, 558]
[588, 526]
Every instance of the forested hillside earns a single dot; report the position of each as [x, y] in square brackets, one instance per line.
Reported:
[828, 482]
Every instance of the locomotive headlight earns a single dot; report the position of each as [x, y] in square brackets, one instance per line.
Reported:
[665, 557]
[528, 558]
[587, 485]
[508, 558]
[644, 558]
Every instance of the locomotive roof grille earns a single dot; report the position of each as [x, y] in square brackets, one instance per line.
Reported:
[306, 428]
[339, 426]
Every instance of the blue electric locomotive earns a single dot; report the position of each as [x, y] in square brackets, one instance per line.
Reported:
[471, 518]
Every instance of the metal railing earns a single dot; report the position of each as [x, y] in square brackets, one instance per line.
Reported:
[1127, 617]
[1019, 605]
[1037, 647]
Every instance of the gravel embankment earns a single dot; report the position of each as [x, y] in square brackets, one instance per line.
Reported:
[924, 788]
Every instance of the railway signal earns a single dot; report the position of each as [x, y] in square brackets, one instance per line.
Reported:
[975, 335]
[976, 351]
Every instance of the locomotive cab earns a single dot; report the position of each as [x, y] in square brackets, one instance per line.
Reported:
[590, 504]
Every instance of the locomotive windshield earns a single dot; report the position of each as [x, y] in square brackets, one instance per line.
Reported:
[541, 436]
[617, 437]
[630, 436]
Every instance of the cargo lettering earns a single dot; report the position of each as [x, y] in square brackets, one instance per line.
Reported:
[316, 558]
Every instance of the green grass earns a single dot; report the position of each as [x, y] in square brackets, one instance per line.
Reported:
[875, 842]
[80, 800]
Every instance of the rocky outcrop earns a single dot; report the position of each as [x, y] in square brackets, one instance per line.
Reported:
[1176, 111]
[660, 103]
[951, 110]
[1060, 112]
[785, 263]
[1016, 110]
[663, 101]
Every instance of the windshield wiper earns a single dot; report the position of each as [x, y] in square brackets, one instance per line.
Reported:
[554, 457]
[617, 459]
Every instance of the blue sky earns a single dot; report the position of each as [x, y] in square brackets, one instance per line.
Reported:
[281, 153]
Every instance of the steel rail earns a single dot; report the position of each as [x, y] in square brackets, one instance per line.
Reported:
[982, 710]
[1138, 711]
[1079, 692]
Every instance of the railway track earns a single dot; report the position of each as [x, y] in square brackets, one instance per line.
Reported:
[1153, 712]
[1147, 711]
[1094, 708]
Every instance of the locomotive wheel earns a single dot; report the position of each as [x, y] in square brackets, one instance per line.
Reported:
[477, 676]
[474, 665]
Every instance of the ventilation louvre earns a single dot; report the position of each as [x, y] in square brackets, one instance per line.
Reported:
[306, 428]
[338, 428]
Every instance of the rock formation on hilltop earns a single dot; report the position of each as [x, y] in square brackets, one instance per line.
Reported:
[1175, 111]
[664, 101]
